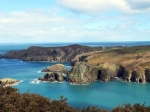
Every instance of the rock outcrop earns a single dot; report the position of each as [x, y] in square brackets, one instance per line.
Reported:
[81, 74]
[8, 82]
[57, 54]
[59, 68]
[52, 77]
[107, 71]
[1, 56]
[84, 73]
[128, 64]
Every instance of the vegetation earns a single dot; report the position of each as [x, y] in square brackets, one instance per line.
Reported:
[12, 101]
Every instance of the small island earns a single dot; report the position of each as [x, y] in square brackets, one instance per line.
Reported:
[54, 73]
[5, 82]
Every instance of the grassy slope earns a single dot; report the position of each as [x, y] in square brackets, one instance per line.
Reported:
[129, 57]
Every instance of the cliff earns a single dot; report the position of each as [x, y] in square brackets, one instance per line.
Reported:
[81, 74]
[58, 54]
[1, 56]
[129, 64]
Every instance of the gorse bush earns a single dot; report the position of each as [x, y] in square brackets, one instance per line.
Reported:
[12, 101]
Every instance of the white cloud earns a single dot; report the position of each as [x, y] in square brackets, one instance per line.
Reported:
[40, 25]
[94, 7]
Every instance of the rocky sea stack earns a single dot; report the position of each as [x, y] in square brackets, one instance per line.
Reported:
[9, 82]
[54, 73]
[53, 54]
[59, 68]
[81, 73]
[52, 77]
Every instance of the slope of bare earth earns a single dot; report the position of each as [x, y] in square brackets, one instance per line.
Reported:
[128, 63]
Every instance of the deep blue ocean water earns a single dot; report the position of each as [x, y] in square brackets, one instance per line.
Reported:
[105, 95]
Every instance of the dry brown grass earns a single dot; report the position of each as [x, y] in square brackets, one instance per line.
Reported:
[130, 58]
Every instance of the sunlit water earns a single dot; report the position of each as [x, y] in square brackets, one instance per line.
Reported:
[105, 95]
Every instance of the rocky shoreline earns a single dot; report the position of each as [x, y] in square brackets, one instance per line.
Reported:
[128, 64]
[91, 64]
[9, 82]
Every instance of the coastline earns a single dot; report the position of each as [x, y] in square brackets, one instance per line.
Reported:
[99, 91]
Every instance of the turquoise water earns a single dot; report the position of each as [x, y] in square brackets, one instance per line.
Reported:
[105, 95]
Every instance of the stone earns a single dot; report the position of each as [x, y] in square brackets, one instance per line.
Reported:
[52, 77]
[9, 82]
[81, 74]
[56, 68]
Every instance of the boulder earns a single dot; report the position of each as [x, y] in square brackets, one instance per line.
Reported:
[9, 82]
[56, 68]
[52, 77]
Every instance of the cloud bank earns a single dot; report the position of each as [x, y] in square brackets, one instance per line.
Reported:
[78, 21]
[98, 6]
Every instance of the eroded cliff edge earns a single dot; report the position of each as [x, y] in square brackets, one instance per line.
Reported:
[59, 54]
[129, 64]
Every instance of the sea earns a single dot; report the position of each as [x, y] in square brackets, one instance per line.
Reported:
[104, 95]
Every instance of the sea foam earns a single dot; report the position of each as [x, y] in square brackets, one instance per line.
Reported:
[35, 81]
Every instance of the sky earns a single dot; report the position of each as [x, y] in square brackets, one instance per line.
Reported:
[38, 21]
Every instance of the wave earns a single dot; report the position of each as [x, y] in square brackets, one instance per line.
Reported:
[39, 71]
[21, 81]
[35, 81]
[77, 84]
[52, 82]
[68, 66]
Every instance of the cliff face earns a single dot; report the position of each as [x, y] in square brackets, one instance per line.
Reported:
[129, 64]
[81, 74]
[59, 54]
[1, 56]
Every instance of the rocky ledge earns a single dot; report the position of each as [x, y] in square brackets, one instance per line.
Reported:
[9, 82]
[57, 54]
[52, 77]
[59, 68]
[128, 64]
[1, 56]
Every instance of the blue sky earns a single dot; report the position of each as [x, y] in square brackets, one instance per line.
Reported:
[31, 21]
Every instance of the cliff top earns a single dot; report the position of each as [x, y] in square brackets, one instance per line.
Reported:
[130, 57]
